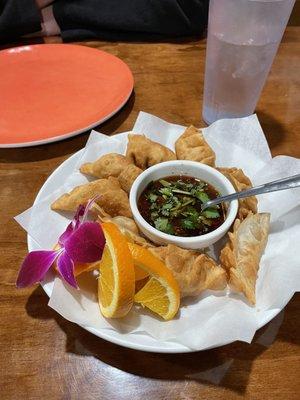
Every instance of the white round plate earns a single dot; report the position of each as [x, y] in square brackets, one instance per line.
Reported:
[133, 341]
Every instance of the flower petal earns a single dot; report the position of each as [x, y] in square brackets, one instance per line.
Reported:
[64, 236]
[86, 243]
[65, 267]
[89, 206]
[72, 225]
[35, 266]
[79, 213]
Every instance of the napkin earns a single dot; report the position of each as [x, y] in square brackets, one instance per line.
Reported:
[214, 318]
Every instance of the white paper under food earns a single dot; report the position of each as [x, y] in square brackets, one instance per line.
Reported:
[215, 318]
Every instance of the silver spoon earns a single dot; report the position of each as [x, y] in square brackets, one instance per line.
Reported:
[281, 184]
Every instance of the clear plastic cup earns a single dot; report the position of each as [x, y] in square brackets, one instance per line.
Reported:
[243, 38]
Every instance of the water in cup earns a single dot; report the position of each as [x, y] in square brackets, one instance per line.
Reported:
[243, 38]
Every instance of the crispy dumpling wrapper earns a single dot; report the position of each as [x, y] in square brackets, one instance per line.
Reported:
[128, 176]
[242, 253]
[144, 153]
[192, 146]
[115, 165]
[126, 225]
[112, 198]
[193, 271]
[111, 164]
[241, 182]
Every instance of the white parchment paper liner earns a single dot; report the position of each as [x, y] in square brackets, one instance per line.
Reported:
[215, 318]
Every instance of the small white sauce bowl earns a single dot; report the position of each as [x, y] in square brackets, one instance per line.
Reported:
[187, 168]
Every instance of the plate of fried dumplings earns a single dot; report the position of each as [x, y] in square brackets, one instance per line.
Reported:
[115, 174]
[218, 285]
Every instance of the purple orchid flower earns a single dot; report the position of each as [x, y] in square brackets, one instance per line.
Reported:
[82, 241]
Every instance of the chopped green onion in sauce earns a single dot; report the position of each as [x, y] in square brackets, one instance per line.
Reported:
[173, 206]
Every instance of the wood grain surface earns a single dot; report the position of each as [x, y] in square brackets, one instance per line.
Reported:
[44, 356]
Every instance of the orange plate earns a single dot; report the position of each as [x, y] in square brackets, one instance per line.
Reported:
[53, 91]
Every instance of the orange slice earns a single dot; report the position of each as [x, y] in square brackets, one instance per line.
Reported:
[161, 293]
[79, 268]
[140, 274]
[116, 283]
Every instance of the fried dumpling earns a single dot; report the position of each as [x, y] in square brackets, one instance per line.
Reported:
[192, 146]
[111, 197]
[241, 182]
[116, 165]
[242, 253]
[111, 164]
[128, 176]
[126, 225]
[144, 153]
[194, 272]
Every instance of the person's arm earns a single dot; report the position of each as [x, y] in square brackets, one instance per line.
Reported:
[130, 19]
[17, 18]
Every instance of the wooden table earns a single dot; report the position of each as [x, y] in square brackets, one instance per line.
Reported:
[44, 356]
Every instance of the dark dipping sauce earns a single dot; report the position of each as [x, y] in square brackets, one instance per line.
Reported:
[173, 206]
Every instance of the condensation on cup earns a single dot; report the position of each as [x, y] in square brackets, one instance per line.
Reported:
[243, 38]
